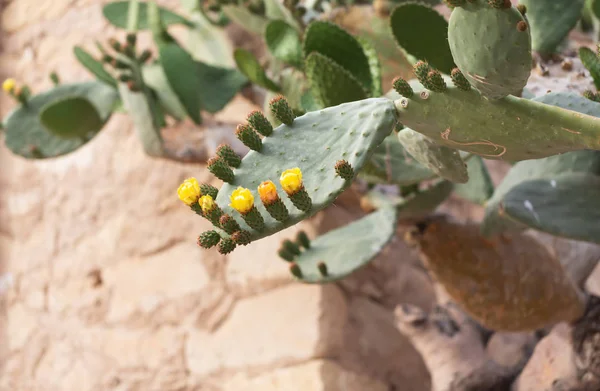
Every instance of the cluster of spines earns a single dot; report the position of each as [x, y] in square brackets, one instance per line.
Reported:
[430, 79]
[591, 95]
[222, 166]
[122, 61]
[289, 250]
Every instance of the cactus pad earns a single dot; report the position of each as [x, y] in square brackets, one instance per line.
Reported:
[314, 143]
[480, 187]
[390, 163]
[567, 205]
[551, 21]
[490, 49]
[426, 39]
[330, 83]
[511, 128]
[342, 48]
[444, 161]
[116, 13]
[344, 250]
[28, 137]
[573, 162]
[416, 205]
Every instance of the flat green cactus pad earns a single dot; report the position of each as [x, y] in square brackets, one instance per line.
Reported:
[345, 250]
[283, 42]
[492, 47]
[116, 13]
[591, 61]
[422, 33]
[71, 118]
[27, 136]
[551, 21]
[587, 162]
[445, 162]
[480, 187]
[339, 46]
[567, 205]
[415, 205]
[248, 64]
[390, 163]
[511, 128]
[314, 143]
[330, 83]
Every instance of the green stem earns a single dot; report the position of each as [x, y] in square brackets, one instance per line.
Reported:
[133, 16]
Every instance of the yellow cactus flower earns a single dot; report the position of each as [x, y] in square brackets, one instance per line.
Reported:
[291, 180]
[9, 85]
[207, 203]
[242, 200]
[268, 192]
[189, 191]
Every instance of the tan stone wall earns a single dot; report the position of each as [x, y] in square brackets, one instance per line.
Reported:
[102, 286]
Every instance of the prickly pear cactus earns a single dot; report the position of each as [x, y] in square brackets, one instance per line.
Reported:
[26, 134]
[444, 161]
[498, 219]
[510, 128]
[551, 21]
[340, 252]
[319, 149]
[491, 45]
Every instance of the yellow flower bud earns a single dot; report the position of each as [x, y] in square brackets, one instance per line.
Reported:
[9, 85]
[189, 191]
[291, 180]
[267, 192]
[242, 200]
[207, 203]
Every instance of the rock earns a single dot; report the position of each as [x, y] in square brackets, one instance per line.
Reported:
[552, 359]
[317, 375]
[143, 284]
[283, 326]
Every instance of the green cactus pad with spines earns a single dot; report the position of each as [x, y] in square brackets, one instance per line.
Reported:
[567, 205]
[330, 83]
[227, 153]
[155, 78]
[489, 49]
[591, 61]
[480, 187]
[511, 128]
[342, 48]
[495, 221]
[94, 66]
[71, 118]
[116, 14]
[426, 39]
[573, 162]
[251, 68]
[25, 134]
[415, 205]
[283, 42]
[442, 160]
[391, 163]
[551, 21]
[260, 123]
[374, 65]
[345, 250]
[314, 143]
